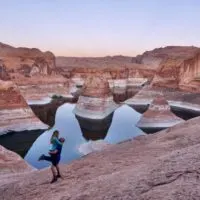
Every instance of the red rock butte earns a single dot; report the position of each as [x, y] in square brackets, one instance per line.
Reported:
[96, 86]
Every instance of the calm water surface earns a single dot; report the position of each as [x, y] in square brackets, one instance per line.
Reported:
[122, 127]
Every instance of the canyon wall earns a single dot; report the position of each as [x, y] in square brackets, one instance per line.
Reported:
[171, 67]
[176, 67]
[15, 114]
[39, 75]
[33, 70]
[27, 62]
[190, 74]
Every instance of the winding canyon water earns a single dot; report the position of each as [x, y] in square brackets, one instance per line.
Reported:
[80, 134]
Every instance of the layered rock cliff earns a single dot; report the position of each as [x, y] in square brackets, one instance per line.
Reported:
[176, 67]
[190, 74]
[171, 67]
[15, 114]
[33, 70]
[28, 62]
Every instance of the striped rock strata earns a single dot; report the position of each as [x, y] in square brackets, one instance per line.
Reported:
[15, 114]
[158, 116]
[96, 100]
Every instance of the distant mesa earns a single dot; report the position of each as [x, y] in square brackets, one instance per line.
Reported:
[158, 116]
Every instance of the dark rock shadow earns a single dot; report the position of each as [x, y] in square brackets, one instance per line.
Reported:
[93, 129]
[20, 142]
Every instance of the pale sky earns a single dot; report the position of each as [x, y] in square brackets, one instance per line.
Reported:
[99, 27]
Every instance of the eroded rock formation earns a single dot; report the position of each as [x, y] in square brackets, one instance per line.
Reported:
[190, 74]
[176, 67]
[33, 71]
[96, 101]
[15, 114]
[27, 61]
[158, 116]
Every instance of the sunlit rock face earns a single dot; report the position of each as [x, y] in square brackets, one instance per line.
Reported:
[15, 114]
[33, 71]
[96, 100]
[10, 163]
[119, 77]
[175, 66]
[27, 62]
[190, 74]
[158, 116]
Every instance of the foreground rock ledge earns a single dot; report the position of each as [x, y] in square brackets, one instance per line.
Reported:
[11, 163]
[164, 166]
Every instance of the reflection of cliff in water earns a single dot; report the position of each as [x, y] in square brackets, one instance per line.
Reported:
[122, 94]
[20, 142]
[47, 112]
[94, 129]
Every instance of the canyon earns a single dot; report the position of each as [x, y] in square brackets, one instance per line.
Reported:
[40, 76]
[158, 84]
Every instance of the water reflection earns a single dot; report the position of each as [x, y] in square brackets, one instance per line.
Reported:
[122, 94]
[94, 129]
[47, 112]
[117, 127]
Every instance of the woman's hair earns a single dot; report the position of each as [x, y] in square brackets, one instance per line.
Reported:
[55, 134]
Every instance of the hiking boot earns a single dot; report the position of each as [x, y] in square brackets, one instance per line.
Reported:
[41, 157]
[59, 176]
[54, 180]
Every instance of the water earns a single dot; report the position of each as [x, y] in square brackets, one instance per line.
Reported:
[120, 126]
